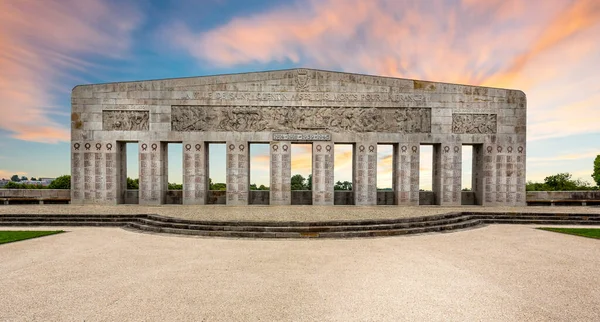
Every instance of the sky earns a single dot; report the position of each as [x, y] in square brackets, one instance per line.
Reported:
[550, 49]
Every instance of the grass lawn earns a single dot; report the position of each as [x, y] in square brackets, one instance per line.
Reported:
[9, 236]
[585, 232]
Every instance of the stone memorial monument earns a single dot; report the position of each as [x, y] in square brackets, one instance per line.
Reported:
[283, 107]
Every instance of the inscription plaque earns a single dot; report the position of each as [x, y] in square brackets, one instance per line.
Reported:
[301, 137]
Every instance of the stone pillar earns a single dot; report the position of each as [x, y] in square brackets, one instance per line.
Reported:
[94, 172]
[322, 173]
[78, 172]
[281, 173]
[195, 169]
[120, 171]
[237, 173]
[112, 172]
[504, 168]
[365, 173]
[406, 170]
[153, 172]
[489, 174]
[478, 174]
[447, 171]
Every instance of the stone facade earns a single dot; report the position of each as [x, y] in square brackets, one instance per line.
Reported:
[299, 105]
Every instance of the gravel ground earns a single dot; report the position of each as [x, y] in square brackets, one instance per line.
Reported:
[493, 273]
[275, 213]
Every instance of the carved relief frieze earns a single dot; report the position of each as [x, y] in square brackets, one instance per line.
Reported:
[125, 120]
[336, 119]
[474, 123]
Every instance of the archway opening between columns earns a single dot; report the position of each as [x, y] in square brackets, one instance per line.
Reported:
[217, 173]
[259, 174]
[301, 179]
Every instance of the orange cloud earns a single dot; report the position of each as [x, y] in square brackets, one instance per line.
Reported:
[39, 41]
[302, 159]
[548, 50]
[578, 16]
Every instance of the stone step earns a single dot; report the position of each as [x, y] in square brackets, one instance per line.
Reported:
[521, 214]
[518, 221]
[315, 228]
[485, 217]
[65, 223]
[361, 222]
[43, 219]
[342, 234]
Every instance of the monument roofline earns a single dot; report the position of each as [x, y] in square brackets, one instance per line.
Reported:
[295, 69]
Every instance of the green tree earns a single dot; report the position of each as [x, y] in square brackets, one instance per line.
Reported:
[33, 179]
[23, 178]
[216, 186]
[62, 182]
[309, 182]
[12, 185]
[346, 185]
[15, 178]
[536, 186]
[297, 182]
[596, 173]
[174, 186]
[263, 187]
[133, 184]
[560, 182]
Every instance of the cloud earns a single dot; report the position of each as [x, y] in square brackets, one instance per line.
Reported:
[565, 157]
[41, 42]
[302, 159]
[7, 174]
[549, 50]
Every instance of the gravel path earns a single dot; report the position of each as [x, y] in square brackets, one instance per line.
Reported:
[494, 273]
[275, 213]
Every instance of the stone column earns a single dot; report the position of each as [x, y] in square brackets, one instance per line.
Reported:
[322, 173]
[281, 173]
[195, 185]
[488, 174]
[237, 173]
[406, 166]
[153, 179]
[120, 171]
[477, 179]
[447, 171]
[112, 172]
[504, 165]
[78, 172]
[365, 173]
[94, 172]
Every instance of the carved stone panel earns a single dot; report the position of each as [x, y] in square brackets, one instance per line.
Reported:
[474, 123]
[338, 119]
[125, 120]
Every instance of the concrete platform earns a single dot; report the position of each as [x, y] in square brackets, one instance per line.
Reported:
[280, 213]
[498, 272]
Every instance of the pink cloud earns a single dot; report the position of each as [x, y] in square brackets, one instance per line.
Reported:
[546, 50]
[40, 42]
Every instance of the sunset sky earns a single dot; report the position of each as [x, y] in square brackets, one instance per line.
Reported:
[550, 49]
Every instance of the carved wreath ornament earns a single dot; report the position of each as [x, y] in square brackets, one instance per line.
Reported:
[302, 79]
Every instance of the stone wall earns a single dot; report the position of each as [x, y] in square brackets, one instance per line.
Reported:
[35, 196]
[291, 106]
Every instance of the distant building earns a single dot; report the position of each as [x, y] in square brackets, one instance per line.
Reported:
[3, 182]
[46, 181]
